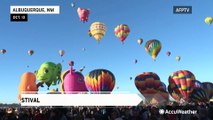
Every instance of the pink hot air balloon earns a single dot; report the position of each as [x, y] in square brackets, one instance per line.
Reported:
[83, 14]
[72, 82]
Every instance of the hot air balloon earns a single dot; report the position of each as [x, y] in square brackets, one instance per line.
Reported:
[73, 4]
[61, 52]
[98, 30]
[27, 84]
[153, 47]
[148, 83]
[49, 73]
[208, 87]
[30, 52]
[175, 96]
[209, 20]
[83, 14]
[72, 82]
[3, 51]
[178, 58]
[168, 53]
[135, 61]
[198, 95]
[122, 31]
[130, 78]
[197, 84]
[182, 82]
[100, 81]
[140, 41]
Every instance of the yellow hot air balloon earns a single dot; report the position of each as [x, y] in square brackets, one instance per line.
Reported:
[209, 20]
[98, 30]
[178, 58]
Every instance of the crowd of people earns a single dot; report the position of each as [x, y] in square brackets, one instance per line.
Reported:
[202, 112]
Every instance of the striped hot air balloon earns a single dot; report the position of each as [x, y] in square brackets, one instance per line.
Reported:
[100, 81]
[198, 95]
[148, 84]
[182, 83]
[98, 30]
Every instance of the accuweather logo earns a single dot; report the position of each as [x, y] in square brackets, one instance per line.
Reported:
[182, 9]
[178, 111]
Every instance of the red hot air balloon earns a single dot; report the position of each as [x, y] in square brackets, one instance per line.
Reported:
[83, 14]
[182, 82]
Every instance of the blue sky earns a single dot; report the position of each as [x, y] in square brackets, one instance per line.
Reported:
[185, 35]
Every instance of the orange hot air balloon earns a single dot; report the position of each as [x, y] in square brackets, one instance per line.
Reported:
[27, 84]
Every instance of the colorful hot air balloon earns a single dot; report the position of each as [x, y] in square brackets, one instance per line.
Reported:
[148, 83]
[140, 41]
[168, 53]
[122, 31]
[98, 30]
[61, 52]
[160, 98]
[198, 95]
[178, 58]
[30, 52]
[209, 20]
[100, 80]
[83, 14]
[182, 82]
[72, 82]
[3, 51]
[153, 47]
[208, 87]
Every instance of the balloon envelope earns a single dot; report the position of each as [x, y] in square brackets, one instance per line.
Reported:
[83, 14]
[98, 30]
[122, 31]
[209, 20]
[182, 82]
[100, 80]
[30, 52]
[3, 51]
[153, 48]
[27, 84]
[61, 52]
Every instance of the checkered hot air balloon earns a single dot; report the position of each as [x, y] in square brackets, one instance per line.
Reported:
[182, 83]
[122, 31]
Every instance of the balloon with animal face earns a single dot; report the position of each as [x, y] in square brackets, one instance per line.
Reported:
[83, 14]
[100, 81]
[72, 82]
[27, 84]
[49, 73]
